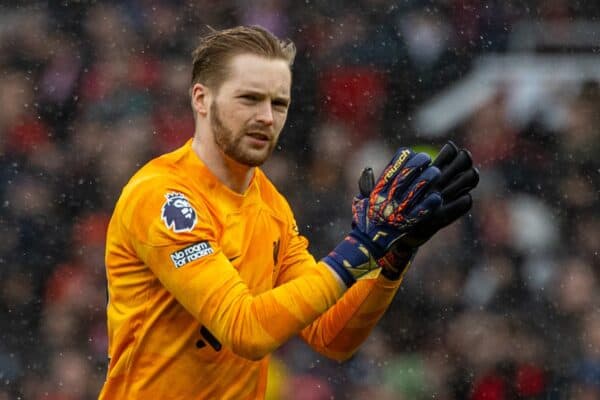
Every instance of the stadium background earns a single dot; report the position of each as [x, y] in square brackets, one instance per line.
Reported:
[504, 305]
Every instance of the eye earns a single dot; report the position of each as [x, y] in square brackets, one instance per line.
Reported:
[280, 104]
[250, 97]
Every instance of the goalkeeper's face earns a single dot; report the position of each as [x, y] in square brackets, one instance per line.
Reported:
[250, 108]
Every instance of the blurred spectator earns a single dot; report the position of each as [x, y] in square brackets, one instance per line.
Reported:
[502, 305]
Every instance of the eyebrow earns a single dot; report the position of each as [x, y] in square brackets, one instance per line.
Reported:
[262, 94]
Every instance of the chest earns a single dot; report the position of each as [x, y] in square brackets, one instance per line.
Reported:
[253, 241]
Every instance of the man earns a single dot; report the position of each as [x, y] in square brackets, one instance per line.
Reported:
[207, 273]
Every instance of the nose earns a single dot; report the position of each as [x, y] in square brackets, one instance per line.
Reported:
[265, 113]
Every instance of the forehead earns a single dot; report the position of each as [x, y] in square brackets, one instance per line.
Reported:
[253, 72]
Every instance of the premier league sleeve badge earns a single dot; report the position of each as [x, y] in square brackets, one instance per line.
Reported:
[178, 214]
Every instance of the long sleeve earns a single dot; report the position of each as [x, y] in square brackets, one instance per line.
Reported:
[251, 326]
[342, 329]
[339, 332]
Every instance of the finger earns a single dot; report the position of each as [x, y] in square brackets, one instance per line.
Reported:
[382, 198]
[427, 206]
[366, 182]
[464, 183]
[384, 192]
[448, 213]
[400, 159]
[419, 186]
[413, 168]
[446, 155]
[445, 215]
[461, 163]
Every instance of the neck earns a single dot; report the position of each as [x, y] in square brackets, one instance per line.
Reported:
[232, 174]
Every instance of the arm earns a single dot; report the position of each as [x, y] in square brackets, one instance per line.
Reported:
[251, 326]
[339, 332]
[210, 288]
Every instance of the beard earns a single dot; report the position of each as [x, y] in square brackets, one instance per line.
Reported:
[230, 142]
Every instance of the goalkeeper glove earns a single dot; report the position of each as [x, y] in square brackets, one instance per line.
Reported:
[457, 179]
[399, 199]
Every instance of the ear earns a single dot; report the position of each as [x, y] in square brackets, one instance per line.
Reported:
[200, 98]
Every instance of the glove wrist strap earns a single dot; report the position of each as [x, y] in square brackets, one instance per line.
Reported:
[351, 259]
[374, 250]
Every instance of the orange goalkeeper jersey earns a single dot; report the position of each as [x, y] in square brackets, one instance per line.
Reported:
[204, 283]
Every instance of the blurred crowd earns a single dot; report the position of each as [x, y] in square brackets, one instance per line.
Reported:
[503, 305]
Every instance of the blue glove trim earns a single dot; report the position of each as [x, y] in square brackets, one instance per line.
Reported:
[351, 259]
[373, 248]
[333, 261]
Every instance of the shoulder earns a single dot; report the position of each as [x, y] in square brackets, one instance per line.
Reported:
[153, 179]
[163, 174]
[166, 167]
[160, 199]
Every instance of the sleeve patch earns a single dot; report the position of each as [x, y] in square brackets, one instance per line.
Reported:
[191, 253]
[178, 214]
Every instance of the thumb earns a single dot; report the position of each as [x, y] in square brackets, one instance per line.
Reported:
[366, 182]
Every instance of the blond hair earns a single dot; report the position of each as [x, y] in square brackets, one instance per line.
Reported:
[211, 57]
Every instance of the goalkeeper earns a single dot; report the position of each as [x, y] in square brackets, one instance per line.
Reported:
[207, 273]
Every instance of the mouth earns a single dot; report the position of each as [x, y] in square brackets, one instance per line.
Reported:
[259, 136]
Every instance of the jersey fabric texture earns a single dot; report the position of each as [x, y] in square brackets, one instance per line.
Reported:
[204, 283]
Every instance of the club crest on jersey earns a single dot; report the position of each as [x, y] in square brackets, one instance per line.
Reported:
[178, 214]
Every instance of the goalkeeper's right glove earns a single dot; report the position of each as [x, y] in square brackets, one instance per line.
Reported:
[457, 179]
[399, 200]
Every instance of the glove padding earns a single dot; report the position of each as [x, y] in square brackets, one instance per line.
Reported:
[398, 200]
[457, 179]
[396, 203]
